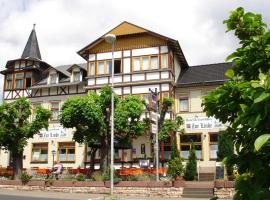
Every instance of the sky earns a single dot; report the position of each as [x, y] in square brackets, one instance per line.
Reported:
[65, 26]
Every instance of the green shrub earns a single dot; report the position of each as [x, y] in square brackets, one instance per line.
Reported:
[105, 176]
[80, 177]
[49, 180]
[191, 166]
[25, 177]
[176, 168]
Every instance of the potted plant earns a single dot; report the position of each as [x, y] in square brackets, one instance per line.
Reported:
[176, 168]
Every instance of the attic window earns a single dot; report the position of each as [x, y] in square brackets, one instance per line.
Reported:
[53, 78]
[76, 76]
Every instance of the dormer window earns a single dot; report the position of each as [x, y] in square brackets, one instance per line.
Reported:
[53, 78]
[76, 76]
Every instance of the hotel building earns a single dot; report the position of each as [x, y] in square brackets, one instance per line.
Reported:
[143, 60]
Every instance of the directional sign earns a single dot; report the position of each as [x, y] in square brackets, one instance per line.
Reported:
[154, 128]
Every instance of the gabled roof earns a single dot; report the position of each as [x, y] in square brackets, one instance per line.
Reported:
[127, 28]
[31, 49]
[83, 66]
[204, 74]
[63, 69]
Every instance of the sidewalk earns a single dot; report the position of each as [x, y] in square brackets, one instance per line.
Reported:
[40, 195]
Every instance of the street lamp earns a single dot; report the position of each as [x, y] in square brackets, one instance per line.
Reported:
[110, 38]
[53, 153]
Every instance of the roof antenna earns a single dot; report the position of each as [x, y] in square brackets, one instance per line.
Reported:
[34, 25]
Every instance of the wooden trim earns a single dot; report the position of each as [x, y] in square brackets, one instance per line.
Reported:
[210, 143]
[66, 142]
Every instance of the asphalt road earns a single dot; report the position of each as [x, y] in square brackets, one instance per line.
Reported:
[41, 195]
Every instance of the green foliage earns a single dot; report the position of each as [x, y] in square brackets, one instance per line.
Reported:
[16, 129]
[191, 166]
[80, 177]
[169, 128]
[176, 168]
[105, 175]
[25, 177]
[244, 103]
[90, 116]
[225, 150]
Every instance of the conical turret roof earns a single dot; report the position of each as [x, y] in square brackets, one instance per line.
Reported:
[31, 49]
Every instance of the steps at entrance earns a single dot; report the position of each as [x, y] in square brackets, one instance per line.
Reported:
[206, 176]
[198, 193]
[199, 184]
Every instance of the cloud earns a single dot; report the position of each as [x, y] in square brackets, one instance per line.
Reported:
[66, 26]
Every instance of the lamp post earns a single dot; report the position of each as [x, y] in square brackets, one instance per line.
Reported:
[53, 153]
[110, 38]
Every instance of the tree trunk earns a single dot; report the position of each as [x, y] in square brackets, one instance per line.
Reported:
[104, 154]
[92, 161]
[17, 165]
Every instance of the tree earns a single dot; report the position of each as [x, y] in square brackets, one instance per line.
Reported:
[90, 116]
[15, 129]
[243, 102]
[191, 166]
[176, 168]
[225, 149]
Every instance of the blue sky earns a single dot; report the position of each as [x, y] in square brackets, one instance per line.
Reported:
[65, 26]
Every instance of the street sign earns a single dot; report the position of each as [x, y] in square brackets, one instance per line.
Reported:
[154, 128]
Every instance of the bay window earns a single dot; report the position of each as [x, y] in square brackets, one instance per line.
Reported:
[9, 81]
[164, 60]
[19, 80]
[154, 62]
[92, 69]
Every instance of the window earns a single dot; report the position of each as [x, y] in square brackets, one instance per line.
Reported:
[66, 152]
[185, 145]
[28, 79]
[213, 144]
[9, 82]
[92, 69]
[108, 67]
[101, 68]
[145, 63]
[184, 107]
[40, 152]
[53, 78]
[117, 66]
[154, 62]
[55, 108]
[164, 61]
[136, 64]
[76, 76]
[19, 81]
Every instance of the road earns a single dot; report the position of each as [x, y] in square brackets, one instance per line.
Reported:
[40, 195]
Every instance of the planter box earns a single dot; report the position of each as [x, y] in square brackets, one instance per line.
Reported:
[36, 183]
[10, 182]
[143, 184]
[224, 184]
[88, 184]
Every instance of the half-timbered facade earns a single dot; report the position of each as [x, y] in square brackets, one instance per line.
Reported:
[143, 60]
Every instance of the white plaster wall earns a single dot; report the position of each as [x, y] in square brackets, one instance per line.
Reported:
[127, 53]
[91, 57]
[126, 90]
[127, 78]
[163, 49]
[165, 87]
[136, 143]
[117, 79]
[102, 80]
[91, 81]
[108, 55]
[177, 68]
[4, 158]
[152, 76]
[137, 77]
[126, 65]
[195, 100]
[164, 75]
[118, 91]
[143, 88]
[145, 51]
